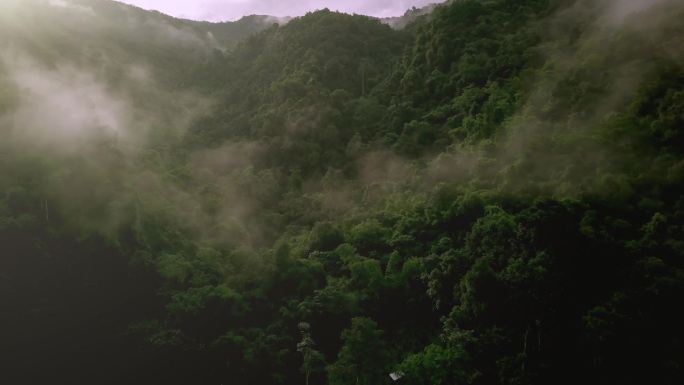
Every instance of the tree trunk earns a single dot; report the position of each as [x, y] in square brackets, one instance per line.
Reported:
[527, 332]
[539, 335]
[363, 81]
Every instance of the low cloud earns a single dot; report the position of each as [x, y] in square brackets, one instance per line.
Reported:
[559, 123]
[62, 107]
[229, 10]
[71, 5]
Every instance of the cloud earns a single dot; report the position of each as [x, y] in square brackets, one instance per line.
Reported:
[557, 124]
[230, 10]
[234, 9]
[63, 106]
[617, 11]
[70, 5]
[108, 172]
[161, 32]
[97, 138]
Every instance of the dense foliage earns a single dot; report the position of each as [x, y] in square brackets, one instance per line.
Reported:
[492, 195]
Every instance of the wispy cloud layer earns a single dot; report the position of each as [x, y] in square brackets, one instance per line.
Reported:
[229, 10]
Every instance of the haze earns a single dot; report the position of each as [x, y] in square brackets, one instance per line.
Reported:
[230, 10]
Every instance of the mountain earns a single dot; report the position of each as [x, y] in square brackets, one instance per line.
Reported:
[492, 194]
[410, 16]
[230, 33]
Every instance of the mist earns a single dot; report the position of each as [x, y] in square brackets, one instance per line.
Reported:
[64, 107]
[544, 130]
[98, 118]
[189, 202]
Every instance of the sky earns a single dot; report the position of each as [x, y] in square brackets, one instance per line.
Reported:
[230, 10]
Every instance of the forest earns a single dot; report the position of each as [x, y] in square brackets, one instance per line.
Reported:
[482, 192]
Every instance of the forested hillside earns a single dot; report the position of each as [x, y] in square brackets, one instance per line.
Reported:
[493, 194]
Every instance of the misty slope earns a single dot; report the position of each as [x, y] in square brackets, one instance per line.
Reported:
[411, 16]
[493, 195]
[295, 86]
[100, 31]
[229, 34]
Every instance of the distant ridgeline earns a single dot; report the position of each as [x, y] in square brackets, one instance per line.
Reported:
[491, 194]
[411, 15]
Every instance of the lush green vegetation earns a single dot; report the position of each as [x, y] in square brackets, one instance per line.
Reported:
[492, 195]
